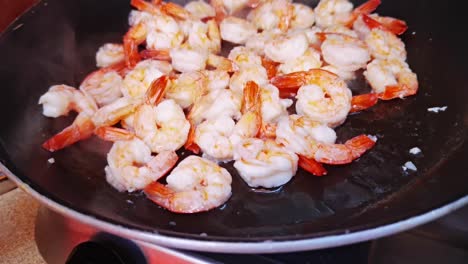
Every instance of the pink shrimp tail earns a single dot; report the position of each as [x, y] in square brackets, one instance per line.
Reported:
[312, 166]
[132, 39]
[338, 154]
[363, 102]
[364, 9]
[157, 89]
[82, 128]
[190, 144]
[162, 55]
[393, 25]
[113, 134]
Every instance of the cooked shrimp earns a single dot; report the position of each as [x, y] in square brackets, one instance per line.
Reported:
[217, 79]
[273, 107]
[200, 9]
[322, 95]
[187, 88]
[313, 140]
[345, 75]
[187, 60]
[203, 36]
[138, 80]
[332, 12]
[248, 72]
[59, 100]
[195, 185]
[257, 42]
[341, 30]
[103, 85]
[303, 16]
[286, 47]
[109, 54]
[222, 102]
[112, 113]
[383, 44]
[391, 79]
[364, 23]
[272, 14]
[135, 36]
[309, 60]
[344, 52]
[236, 30]
[243, 56]
[264, 163]
[163, 127]
[132, 167]
[164, 33]
[212, 136]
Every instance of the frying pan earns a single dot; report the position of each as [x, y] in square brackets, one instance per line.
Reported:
[55, 42]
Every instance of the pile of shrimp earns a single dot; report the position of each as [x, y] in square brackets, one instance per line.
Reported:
[167, 87]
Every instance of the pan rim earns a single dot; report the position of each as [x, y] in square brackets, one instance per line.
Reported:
[262, 247]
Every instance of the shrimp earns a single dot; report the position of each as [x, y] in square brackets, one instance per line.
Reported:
[135, 36]
[391, 79]
[286, 47]
[212, 136]
[257, 42]
[203, 36]
[332, 12]
[272, 106]
[164, 33]
[303, 16]
[112, 113]
[187, 88]
[272, 14]
[309, 60]
[315, 141]
[138, 80]
[59, 100]
[195, 185]
[187, 60]
[200, 9]
[217, 79]
[341, 30]
[103, 85]
[236, 30]
[131, 166]
[222, 102]
[163, 127]
[345, 75]
[248, 72]
[383, 44]
[322, 95]
[243, 56]
[109, 54]
[344, 52]
[264, 163]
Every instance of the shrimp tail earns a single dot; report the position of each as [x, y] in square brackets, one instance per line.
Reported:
[113, 134]
[290, 82]
[157, 89]
[221, 63]
[145, 6]
[393, 25]
[132, 39]
[271, 67]
[220, 11]
[82, 128]
[161, 55]
[363, 101]
[359, 145]
[366, 8]
[312, 166]
[162, 163]
[159, 194]
[174, 10]
[190, 143]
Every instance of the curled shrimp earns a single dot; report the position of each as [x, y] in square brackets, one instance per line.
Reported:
[391, 79]
[187, 88]
[311, 59]
[187, 60]
[344, 52]
[332, 12]
[243, 56]
[248, 72]
[200, 9]
[139, 79]
[212, 136]
[322, 95]
[163, 127]
[257, 42]
[131, 166]
[109, 54]
[365, 23]
[195, 185]
[303, 16]
[203, 36]
[272, 14]
[59, 100]
[264, 163]
[236, 30]
[287, 46]
[222, 102]
[103, 85]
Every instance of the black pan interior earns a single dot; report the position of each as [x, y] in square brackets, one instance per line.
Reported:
[55, 42]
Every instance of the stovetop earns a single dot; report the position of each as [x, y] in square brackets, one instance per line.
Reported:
[441, 241]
